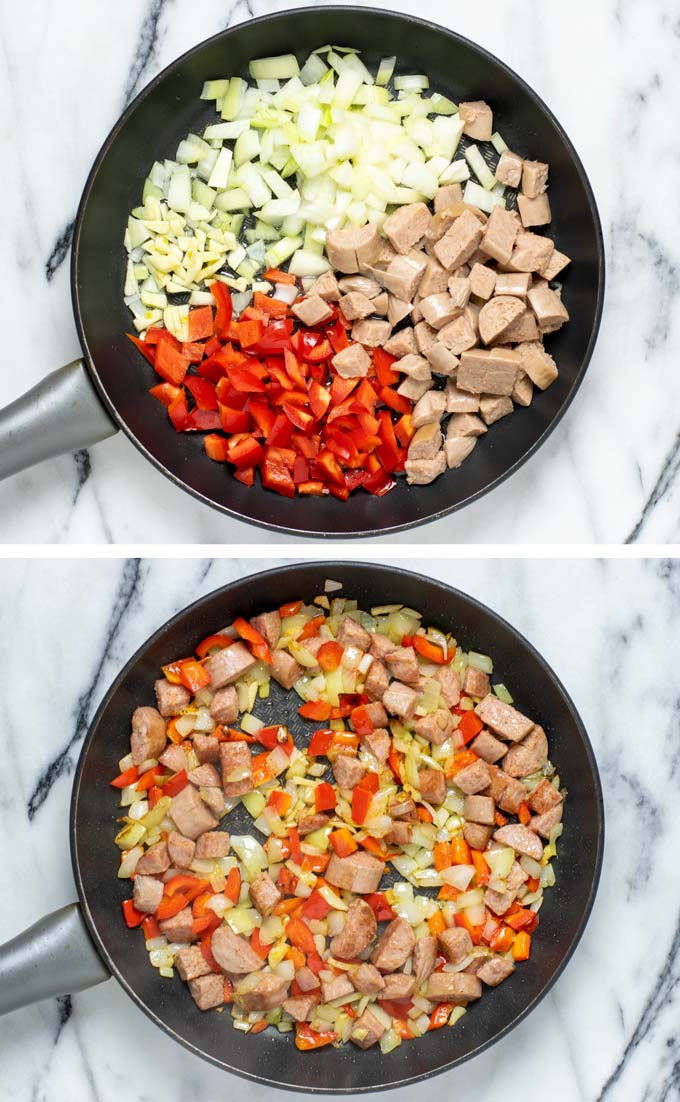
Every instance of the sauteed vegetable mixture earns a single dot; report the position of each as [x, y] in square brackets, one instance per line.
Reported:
[398, 855]
[406, 298]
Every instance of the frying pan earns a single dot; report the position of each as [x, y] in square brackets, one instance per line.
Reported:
[106, 390]
[82, 944]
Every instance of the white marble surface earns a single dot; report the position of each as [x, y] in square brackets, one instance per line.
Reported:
[607, 1031]
[609, 70]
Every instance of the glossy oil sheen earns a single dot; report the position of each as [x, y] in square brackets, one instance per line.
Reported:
[271, 1057]
[152, 128]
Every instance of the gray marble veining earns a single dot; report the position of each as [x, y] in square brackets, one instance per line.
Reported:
[609, 473]
[607, 1031]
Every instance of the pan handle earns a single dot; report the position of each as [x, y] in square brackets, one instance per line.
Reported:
[53, 957]
[62, 413]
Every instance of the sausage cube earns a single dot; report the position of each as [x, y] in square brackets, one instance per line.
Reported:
[171, 698]
[400, 700]
[147, 893]
[190, 963]
[207, 991]
[264, 894]
[228, 665]
[509, 169]
[312, 310]
[479, 809]
[189, 813]
[478, 119]
[212, 844]
[237, 770]
[224, 706]
[432, 785]
[473, 778]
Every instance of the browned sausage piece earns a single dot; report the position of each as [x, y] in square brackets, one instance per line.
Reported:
[206, 747]
[406, 225]
[367, 979]
[496, 970]
[171, 698]
[300, 1006]
[403, 664]
[190, 963]
[544, 797]
[207, 991]
[308, 823]
[360, 872]
[189, 813]
[205, 776]
[269, 625]
[224, 706]
[357, 933]
[212, 844]
[377, 681]
[261, 991]
[506, 791]
[499, 902]
[264, 893]
[521, 839]
[394, 946]
[179, 927]
[436, 727]
[497, 314]
[543, 824]
[367, 1029]
[477, 836]
[285, 669]
[398, 986]
[351, 634]
[432, 785]
[377, 743]
[450, 685]
[487, 747]
[237, 769]
[148, 735]
[155, 860]
[381, 645]
[147, 893]
[401, 700]
[453, 987]
[338, 988]
[399, 834]
[174, 758]
[181, 850]
[473, 779]
[476, 682]
[527, 756]
[348, 771]
[377, 714]
[233, 953]
[424, 958]
[228, 665]
[502, 718]
[479, 809]
[306, 980]
[455, 944]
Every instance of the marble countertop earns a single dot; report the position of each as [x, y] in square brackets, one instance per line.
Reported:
[607, 1031]
[611, 470]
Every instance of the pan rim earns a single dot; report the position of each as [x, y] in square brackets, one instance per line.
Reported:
[390, 529]
[331, 569]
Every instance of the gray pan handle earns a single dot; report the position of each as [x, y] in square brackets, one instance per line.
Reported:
[54, 957]
[62, 413]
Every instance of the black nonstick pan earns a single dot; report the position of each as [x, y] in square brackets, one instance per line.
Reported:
[81, 945]
[66, 411]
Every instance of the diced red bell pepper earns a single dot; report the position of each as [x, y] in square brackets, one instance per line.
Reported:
[432, 652]
[244, 451]
[178, 412]
[132, 916]
[276, 477]
[274, 307]
[127, 777]
[145, 347]
[216, 448]
[165, 393]
[301, 418]
[395, 401]
[234, 420]
[175, 784]
[232, 888]
[379, 905]
[315, 709]
[200, 323]
[307, 1038]
[281, 432]
[202, 391]
[342, 842]
[300, 935]
[320, 743]
[257, 642]
[276, 275]
[379, 483]
[170, 362]
[382, 361]
[470, 725]
[329, 655]
[329, 468]
[337, 335]
[315, 906]
[319, 399]
[213, 642]
[361, 801]
[404, 430]
[246, 475]
[193, 676]
[225, 310]
[325, 798]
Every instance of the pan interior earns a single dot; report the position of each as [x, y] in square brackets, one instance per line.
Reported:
[170, 107]
[272, 1058]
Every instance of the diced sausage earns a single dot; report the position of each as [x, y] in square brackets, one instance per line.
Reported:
[180, 849]
[237, 768]
[403, 808]
[531, 252]
[482, 281]
[404, 274]
[264, 991]
[356, 305]
[353, 248]
[284, 668]
[458, 448]
[476, 835]
[326, 286]
[347, 771]
[403, 664]
[550, 311]
[371, 332]
[148, 735]
[497, 314]
[214, 799]
[432, 785]
[381, 645]
[442, 361]
[399, 834]
[506, 791]
[488, 371]
[308, 823]
[402, 343]
[500, 234]
[527, 756]
[429, 408]
[367, 979]
[171, 699]
[397, 310]
[312, 310]
[449, 679]
[534, 212]
[224, 706]
[398, 986]
[206, 747]
[228, 664]
[352, 634]
[154, 861]
[516, 284]
[453, 987]
[460, 241]
[523, 393]
[436, 727]
[460, 289]
[479, 809]
[173, 758]
[554, 265]
[543, 824]
[459, 335]
[212, 844]
[381, 306]
[424, 958]
[190, 964]
[413, 389]
[476, 682]
[420, 472]
[357, 933]
[439, 310]
[523, 328]
[495, 970]
[264, 894]
[205, 775]
[394, 946]
[376, 713]
[544, 797]
[189, 813]
[207, 991]
[300, 1006]
[537, 364]
[478, 119]
[447, 197]
[499, 902]
[352, 362]
[147, 893]
[269, 626]
[377, 681]
[360, 872]
[455, 944]
[400, 700]
[367, 1029]
[416, 367]
[509, 169]
[473, 778]
[233, 953]
[406, 226]
[370, 288]
[502, 718]
[521, 839]
[179, 927]
[465, 424]
[306, 980]
[494, 408]
[487, 747]
[338, 988]
[534, 178]
[516, 877]
[378, 744]
[435, 279]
